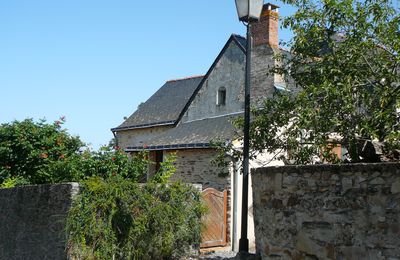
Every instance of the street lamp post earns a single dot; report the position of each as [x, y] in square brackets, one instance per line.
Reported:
[249, 11]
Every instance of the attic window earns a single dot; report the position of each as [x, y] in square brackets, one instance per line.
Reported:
[221, 96]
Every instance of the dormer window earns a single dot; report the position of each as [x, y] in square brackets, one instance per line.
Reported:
[221, 96]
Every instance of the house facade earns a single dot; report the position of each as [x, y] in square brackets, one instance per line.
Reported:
[185, 115]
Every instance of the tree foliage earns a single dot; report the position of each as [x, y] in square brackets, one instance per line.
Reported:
[113, 216]
[343, 76]
[345, 62]
[40, 152]
[28, 147]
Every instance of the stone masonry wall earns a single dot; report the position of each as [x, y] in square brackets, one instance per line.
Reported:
[32, 221]
[227, 73]
[138, 137]
[327, 211]
[262, 82]
[194, 166]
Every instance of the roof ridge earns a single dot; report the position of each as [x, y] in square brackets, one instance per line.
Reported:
[185, 78]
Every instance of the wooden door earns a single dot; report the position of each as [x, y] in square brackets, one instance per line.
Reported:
[214, 233]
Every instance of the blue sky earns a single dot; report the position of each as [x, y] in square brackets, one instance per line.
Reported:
[95, 61]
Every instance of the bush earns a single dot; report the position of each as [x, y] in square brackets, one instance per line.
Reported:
[40, 152]
[28, 147]
[120, 219]
[113, 217]
[105, 163]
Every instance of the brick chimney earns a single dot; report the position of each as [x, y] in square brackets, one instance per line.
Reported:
[265, 31]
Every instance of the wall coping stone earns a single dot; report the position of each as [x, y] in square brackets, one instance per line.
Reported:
[335, 168]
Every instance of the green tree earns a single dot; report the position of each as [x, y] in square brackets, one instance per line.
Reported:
[344, 60]
[40, 152]
[28, 147]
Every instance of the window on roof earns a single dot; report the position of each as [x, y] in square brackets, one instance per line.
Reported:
[221, 96]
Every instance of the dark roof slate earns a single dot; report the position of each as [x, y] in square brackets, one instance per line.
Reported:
[241, 40]
[163, 107]
[169, 103]
[194, 134]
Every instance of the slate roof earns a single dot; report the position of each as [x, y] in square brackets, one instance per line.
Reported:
[194, 134]
[164, 107]
[241, 40]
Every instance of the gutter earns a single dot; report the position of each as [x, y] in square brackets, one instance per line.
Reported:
[167, 147]
[125, 128]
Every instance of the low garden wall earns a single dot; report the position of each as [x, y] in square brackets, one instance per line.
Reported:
[32, 221]
[327, 211]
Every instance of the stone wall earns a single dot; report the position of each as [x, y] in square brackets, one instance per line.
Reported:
[227, 73]
[32, 221]
[327, 211]
[262, 82]
[138, 137]
[194, 166]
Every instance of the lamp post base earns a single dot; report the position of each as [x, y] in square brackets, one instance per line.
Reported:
[243, 245]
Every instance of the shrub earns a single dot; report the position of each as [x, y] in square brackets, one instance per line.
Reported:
[113, 217]
[105, 163]
[40, 152]
[28, 147]
[120, 219]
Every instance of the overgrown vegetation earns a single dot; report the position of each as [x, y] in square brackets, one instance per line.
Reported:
[27, 148]
[40, 152]
[114, 216]
[119, 219]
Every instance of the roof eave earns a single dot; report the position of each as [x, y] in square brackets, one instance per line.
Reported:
[126, 128]
[168, 147]
[233, 38]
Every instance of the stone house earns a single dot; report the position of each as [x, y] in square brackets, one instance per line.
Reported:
[185, 115]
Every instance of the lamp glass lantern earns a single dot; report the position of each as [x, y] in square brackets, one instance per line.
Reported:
[249, 10]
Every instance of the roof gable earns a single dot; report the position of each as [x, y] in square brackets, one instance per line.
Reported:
[240, 42]
[168, 105]
[163, 107]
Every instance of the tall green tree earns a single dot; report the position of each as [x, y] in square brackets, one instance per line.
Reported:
[345, 63]
[343, 77]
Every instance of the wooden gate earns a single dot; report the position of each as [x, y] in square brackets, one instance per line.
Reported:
[214, 233]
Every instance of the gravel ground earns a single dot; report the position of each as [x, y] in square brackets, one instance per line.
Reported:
[222, 255]
[218, 255]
